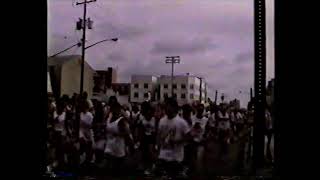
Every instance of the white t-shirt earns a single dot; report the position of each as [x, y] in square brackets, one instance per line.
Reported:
[174, 129]
[232, 117]
[115, 144]
[202, 122]
[90, 103]
[224, 124]
[85, 126]
[100, 144]
[239, 117]
[149, 126]
[268, 120]
[127, 114]
[212, 120]
[59, 126]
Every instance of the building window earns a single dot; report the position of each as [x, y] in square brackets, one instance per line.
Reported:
[183, 96]
[146, 95]
[136, 95]
[136, 85]
[191, 86]
[191, 96]
[174, 86]
[165, 86]
[183, 86]
[145, 85]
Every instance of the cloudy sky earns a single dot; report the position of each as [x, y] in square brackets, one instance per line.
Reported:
[214, 38]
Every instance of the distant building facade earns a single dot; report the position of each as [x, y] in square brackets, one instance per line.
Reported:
[143, 88]
[64, 72]
[186, 88]
[104, 79]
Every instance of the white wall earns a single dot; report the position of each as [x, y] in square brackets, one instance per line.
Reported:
[141, 80]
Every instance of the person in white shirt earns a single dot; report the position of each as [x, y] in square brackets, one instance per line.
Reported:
[224, 129]
[146, 135]
[133, 117]
[239, 121]
[90, 104]
[232, 115]
[59, 118]
[86, 133]
[188, 149]
[211, 129]
[118, 138]
[269, 133]
[199, 123]
[171, 136]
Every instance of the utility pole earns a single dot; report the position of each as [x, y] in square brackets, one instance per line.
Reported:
[83, 27]
[216, 96]
[172, 60]
[259, 83]
[200, 89]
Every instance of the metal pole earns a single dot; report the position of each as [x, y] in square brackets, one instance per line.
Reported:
[83, 45]
[78, 44]
[172, 77]
[216, 96]
[200, 89]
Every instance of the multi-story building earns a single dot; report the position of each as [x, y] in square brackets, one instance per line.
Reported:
[186, 88]
[143, 87]
[104, 79]
[64, 72]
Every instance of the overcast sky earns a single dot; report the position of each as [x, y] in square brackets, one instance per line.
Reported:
[214, 38]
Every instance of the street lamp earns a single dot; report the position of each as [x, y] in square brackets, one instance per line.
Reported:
[78, 44]
[82, 64]
[172, 60]
[113, 39]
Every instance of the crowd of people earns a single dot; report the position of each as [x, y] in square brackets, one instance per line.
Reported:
[167, 136]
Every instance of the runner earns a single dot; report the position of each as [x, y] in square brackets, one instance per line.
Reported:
[133, 117]
[146, 131]
[199, 123]
[239, 121]
[269, 133]
[224, 129]
[85, 98]
[187, 160]
[118, 136]
[211, 128]
[59, 117]
[86, 133]
[170, 140]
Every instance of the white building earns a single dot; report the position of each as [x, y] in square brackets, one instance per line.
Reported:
[143, 87]
[186, 88]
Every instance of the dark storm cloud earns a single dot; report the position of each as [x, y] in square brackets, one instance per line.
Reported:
[244, 57]
[218, 65]
[117, 56]
[183, 46]
[212, 37]
[120, 30]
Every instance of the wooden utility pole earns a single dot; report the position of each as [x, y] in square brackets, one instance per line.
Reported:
[83, 27]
